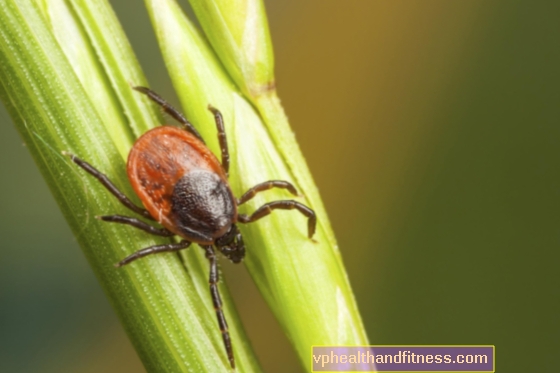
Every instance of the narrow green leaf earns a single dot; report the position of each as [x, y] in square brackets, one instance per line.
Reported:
[303, 281]
[62, 99]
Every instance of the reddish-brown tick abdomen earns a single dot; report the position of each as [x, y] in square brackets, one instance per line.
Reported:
[163, 157]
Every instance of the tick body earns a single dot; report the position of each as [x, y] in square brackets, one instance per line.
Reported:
[182, 184]
[185, 188]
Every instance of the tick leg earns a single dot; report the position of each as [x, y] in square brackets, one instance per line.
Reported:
[138, 224]
[174, 113]
[109, 185]
[266, 186]
[283, 205]
[217, 301]
[221, 137]
[170, 247]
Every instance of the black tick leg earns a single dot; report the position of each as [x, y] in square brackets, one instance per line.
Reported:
[174, 113]
[221, 137]
[217, 301]
[137, 224]
[170, 247]
[266, 186]
[109, 185]
[283, 205]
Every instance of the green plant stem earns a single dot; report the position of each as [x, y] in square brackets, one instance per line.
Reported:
[164, 306]
[302, 280]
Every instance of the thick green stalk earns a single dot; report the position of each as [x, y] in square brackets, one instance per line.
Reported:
[238, 31]
[303, 280]
[65, 75]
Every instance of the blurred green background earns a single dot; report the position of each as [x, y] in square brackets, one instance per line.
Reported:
[432, 129]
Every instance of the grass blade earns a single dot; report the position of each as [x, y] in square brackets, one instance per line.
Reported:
[304, 282]
[49, 94]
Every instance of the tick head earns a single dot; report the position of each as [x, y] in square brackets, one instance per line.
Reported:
[231, 245]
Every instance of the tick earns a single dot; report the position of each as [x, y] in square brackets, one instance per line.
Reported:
[184, 188]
